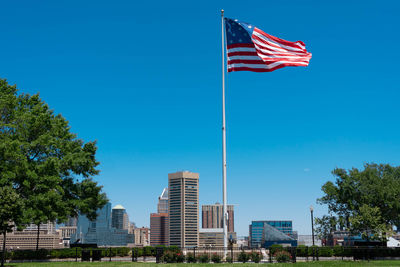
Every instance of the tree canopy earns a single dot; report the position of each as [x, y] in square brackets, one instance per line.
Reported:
[363, 201]
[44, 162]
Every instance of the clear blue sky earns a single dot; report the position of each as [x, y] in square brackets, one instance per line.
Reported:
[143, 78]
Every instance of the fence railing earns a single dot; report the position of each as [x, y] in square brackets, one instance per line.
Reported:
[159, 254]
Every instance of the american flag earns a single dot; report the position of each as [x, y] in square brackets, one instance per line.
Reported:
[251, 49]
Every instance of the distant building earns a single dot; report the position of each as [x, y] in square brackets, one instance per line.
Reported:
[72, 221]
[242, 241]
[49, 227]
[306, 240]
[264, 233]
[273, 236]
[213, 237]
[27, 239]
[100, 231]
[159, 232]
[212, 216]
[119, 218]
[141, 236]
[131, 228]
[183, 209]
[66, 232]
[162, 206]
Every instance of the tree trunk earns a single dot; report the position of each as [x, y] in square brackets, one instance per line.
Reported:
[4, 249]
[37, 238]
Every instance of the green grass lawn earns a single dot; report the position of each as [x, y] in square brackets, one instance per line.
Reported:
[126, 264]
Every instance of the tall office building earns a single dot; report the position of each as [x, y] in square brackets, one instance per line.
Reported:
[183, 209]
[159, 229]
[162, 206]
[100, 231]
[212, 216]
[119, 218]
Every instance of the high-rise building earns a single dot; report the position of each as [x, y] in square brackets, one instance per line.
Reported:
[162, 206]
[183, 209]
[213, 215]
[159, 233]
[100, 231]
[119, 218]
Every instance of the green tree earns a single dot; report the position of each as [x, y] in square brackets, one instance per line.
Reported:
[11, 207]
[376, 187]
[368, 222]
[51, 168]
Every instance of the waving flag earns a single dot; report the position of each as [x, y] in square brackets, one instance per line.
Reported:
[251, 49]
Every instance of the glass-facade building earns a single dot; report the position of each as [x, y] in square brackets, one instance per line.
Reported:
[260, 233]
[100, 231]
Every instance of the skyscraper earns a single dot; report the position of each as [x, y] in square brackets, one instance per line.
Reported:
[162, 206]
[100, 231]
[119, 218]
[212, 217]
[183, 209]
[159, 233]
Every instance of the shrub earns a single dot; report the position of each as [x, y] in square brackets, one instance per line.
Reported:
[229, 259]
[40, 254]
[204, 258]
[274, 248]
[216, 258]
[190, 258]
[301, 251]
[282, 256]
[243, 257]
[256, 257]
[325, 251]
[180, 257]
[169, 257]
[149, 251]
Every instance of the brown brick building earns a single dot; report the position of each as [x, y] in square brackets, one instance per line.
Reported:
[159, 232]
[212, 217]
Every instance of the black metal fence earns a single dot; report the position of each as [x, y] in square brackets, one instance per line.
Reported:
[205, 254]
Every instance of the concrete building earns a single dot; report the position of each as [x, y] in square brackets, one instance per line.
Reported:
[141, 236]
[212, 216]
[49, 227]
[213, 237]
[119, 218]
[159, 233]
[183, 209]
[72, 221]
[162, 206]
[100, 231]
[306, 240]
[27, 240]
[66, 232]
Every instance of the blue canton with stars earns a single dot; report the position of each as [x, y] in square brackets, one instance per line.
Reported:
[238, 32]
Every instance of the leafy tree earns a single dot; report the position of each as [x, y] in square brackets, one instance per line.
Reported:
[50, 168]
[358, 194]
[368, 222]
[11, 207]
[324, 227]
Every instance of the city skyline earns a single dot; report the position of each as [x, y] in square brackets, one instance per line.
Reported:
[286, 130]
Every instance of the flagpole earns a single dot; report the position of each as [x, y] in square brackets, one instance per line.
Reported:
[225, 217]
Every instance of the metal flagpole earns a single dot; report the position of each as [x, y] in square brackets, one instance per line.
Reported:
[224, 142]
